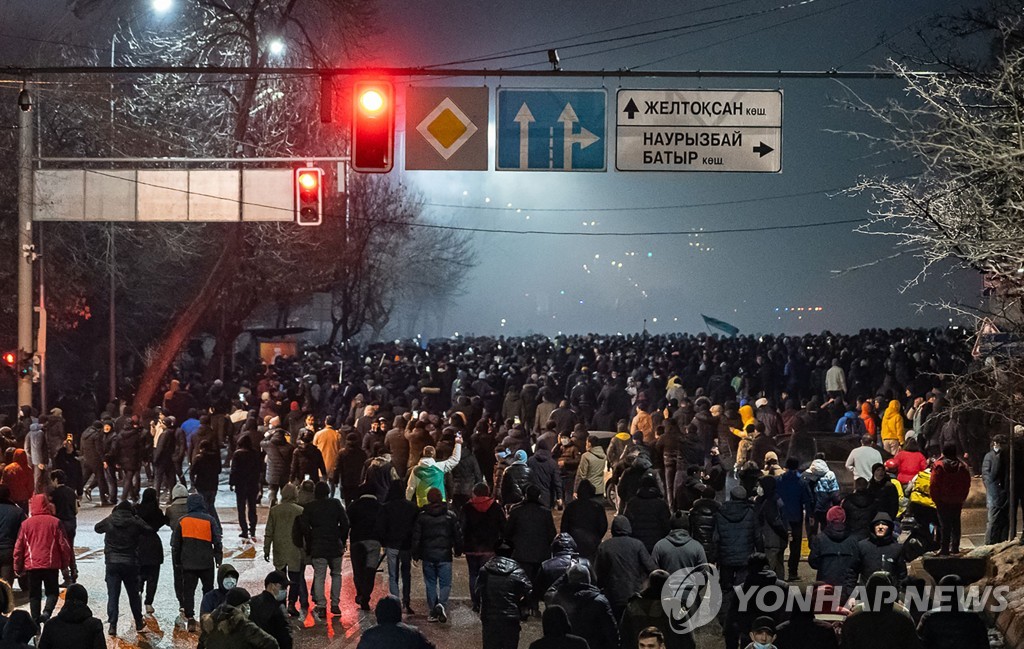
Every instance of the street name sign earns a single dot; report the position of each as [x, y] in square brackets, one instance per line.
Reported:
[698, 130]
[446, 128]
[551, 130]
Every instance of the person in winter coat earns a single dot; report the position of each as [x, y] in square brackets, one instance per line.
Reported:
[592, 466]
[328, 442]
[74, 626]
[40, 553]
[803, 631]
[482, 523]
[557, 632]
[563, 555]
[796, 500]
[678, 550]
[648, 513]
[515, 480]
[892, 428]
[435, 538]
[620, 443]
[881, 551]
[501, 588]
[835, 555]
[735, 537]
[398, 447]
[266, 610]
[227, 578]
[288, 557]
[646, 609]
[163, 458]
[244, 480]
[175, 512]
[585, 520]
[950, 485]
[229, 626]
[67, 461]
[995, 472]
[879, 626]
[127, 453]
[621, 564]
[530, 529]
[65, 508]
[951, 627]
[151, 548]
[429, 473]
[366, 526]
[823, 486]
[348, 470]
[399, 518]
[702, 522]
[860, 508]
[771, 527]
[545, 474]
[324, 529]
[278, 453]
[390, 632]
[884, 491]
[307, 460]
[38, 455]
[195, 548]
[568, 452]
[909, 462]
[17, 476]
[11, 518]
[464, 477]
[122, 532]
[590, 614]
[205, 473]
[93, 454]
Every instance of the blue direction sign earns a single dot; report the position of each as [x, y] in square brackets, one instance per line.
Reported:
[551, 130]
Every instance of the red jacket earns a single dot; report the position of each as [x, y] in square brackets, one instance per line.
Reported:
[951, 482]
[18, 477]
[41, 542]
[910, 463]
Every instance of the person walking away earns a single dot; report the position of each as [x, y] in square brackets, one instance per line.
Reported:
[823, 485]
[328, 441]
[11, 518]
[244, 480]
[205, 473]
[880, 625]
[38, 456]
[163, 458]
[151, 548]
[429, 474]
[563, 555]
[735, 538]
[65, 508]
[951, 627]
[17, 476]
[770, 525]
[995, 471]
[122, 531]
[796, 502]
[390, 632]
[621, 565]
[592, 466]
[678, 550]
[585, 520]
[590, 614]
[557, 632]
[348, 471]
[645, 610]
[325, 527]
[366, 527]
[40, 553]
[648, 513]
[860, 508]
[175, 512]
[278, 454]
[227, 578]
[288, 557]
[951, 483]
[229, 626]
[834, 554]
[196, 547]
[892, 428]
[544, 473]
[74, 626]
[530, 529]
[502, 588]
[862, 458]
[399, 518]
[482, 522]
[435, 537]
[93, 452]
[910, 461]
[266, 610]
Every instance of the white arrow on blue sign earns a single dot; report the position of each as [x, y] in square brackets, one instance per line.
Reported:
[551, 130]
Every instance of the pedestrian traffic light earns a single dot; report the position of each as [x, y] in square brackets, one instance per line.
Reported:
[10, 359]
[373, 127]
[309, 198]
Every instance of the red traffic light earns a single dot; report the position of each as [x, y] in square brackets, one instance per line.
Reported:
[309, 180]
[373, 127]
[10, 358]
[309, 201]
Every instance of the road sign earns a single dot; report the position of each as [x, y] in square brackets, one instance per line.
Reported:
[446, 128]
[551, 130]
[698, 130]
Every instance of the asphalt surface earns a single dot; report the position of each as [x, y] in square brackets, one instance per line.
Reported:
[335, 632]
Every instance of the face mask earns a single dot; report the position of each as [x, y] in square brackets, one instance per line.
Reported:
[996, 448]
[281, 594]
[760, 645]
[229, 583]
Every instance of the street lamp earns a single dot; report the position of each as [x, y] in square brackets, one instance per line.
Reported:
[276, 47]
[162, 6]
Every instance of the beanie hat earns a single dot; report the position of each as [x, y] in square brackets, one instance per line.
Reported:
[520, 455]
[836, 515]
[237, 597]
[738, 493]
[434, 496]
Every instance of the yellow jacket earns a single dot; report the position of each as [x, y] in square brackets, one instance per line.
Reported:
[892, 422]
[920, 489]
[747, 417]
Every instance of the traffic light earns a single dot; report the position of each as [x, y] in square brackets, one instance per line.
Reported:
[10, 359]
[373, 127]
[309, 198]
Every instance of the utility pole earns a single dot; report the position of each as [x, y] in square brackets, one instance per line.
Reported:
[26, 137]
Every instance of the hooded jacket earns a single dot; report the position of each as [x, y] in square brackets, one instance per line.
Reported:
[735, 536]
[501, 587]
[196, 538]
[483, 520]
[179, 505]
[278, 534]
[18, 477]
[585, 520]
[544, 473]
[390, 632]
[324, 525]
[35, 445]
[794, 494]
[622, 563]
[436, 534]
[278, 456]
[646, 609]
[824, 486]
[951, 482]
[429, 474]
[529, 530]
[11, 518]
[648, 513]
[122, 531]
[563, 556]
[860, 508]
[399, 517]
[678, 550]
[73, 626]
[589, 611]
[328, 440]
[882, 553]
[591, 468]
[227, 627]
[702, 524]
[834, 554]
[514, 481]
[771, 526]
[620, 443]
[151, 548]
[41, 544]
[892, 423]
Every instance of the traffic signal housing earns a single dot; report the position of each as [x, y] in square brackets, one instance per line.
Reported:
[373, 127]
[309, 197]
[10, 359]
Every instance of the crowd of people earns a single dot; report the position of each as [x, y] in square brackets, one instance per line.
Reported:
[654, 454]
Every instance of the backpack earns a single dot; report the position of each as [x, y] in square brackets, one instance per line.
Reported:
[854, 426]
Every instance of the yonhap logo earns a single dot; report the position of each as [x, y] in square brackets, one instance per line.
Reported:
[691, 597]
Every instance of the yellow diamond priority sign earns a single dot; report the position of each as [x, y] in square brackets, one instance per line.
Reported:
[446, 128]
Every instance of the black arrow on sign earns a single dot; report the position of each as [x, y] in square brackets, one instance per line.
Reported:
[763, 149]
[631, 109]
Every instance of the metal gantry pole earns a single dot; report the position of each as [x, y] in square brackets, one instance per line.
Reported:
[26, 138]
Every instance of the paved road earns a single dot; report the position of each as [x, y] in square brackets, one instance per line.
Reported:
[336, 632]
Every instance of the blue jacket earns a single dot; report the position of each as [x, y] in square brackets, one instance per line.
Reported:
[792, 490]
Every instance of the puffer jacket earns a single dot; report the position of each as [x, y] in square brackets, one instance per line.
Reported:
[73, 626]
[18, 477]
[563, 555]
[278, 456]
[501, 587]
[544, 473]
[951, 482]
[592, 468]
[585, 519]
[324, 523]
[860, 508]
[196, 538]
[41, 544]
[530, 530]
[122, 531]
[483, 521]
[227, 627]
[11, 518]
[882, 553]
[435, 534]
[771, 526]
[735, 535]
[465, 475]
[307, 460]
[834, 555]
[622, 563]
[702, 524]
[590, 614]
[151, 548]
[278, 534]
[678, 550]
[127, 451]
[513, 483]
[92, 445]
[648, 513]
